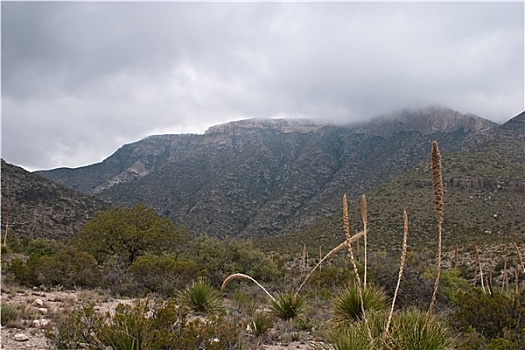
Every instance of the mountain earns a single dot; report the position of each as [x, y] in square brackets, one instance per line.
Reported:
[264, 177]
[36, 207]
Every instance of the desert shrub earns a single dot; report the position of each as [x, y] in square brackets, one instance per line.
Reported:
[219, 258]
[200, 296]
[491, 315]
[145, 325]
[68, 267]
[330, 277]
[416, 286]
[21, 271]
[116, 277]
[163, 274]
[42, 246]
[347, 304]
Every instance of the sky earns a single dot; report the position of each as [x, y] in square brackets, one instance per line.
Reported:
[80, 79]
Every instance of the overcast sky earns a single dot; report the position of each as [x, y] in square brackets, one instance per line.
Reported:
[79, 80]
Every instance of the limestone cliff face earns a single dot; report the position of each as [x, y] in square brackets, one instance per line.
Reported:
[261, 177]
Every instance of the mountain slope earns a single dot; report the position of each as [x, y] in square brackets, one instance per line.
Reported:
[36, 207]
[484, 201]
[258, 177]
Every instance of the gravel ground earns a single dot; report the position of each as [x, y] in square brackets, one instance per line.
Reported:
[39, 307]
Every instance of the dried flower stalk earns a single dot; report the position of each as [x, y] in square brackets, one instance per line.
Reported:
[346, 228]
[243, 276]
[364, 217]
[401, 269]
[437, 184]
[519, 257]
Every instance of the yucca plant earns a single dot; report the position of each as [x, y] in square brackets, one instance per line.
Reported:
[413, 331]
[347, 304]
[287, 305]
[260, 324]
[200, 296]
[9, 314]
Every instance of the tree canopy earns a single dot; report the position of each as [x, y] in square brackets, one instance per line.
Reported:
[129, 234]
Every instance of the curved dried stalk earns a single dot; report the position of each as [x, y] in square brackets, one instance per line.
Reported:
[243, 276]
[346, 228]
[327, 256]
[437, 184]
[401, 269]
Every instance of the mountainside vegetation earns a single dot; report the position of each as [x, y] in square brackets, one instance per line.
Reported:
[33, 206]
[260, 178]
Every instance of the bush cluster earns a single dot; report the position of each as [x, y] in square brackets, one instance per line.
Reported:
[134, 252]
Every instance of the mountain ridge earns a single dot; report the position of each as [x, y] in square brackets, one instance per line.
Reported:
[262, 177]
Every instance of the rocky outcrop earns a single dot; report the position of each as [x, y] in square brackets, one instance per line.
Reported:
[487, 183]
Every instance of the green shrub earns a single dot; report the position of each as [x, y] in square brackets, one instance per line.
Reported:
[490, 315]
[219, 258]
[145, 325]
[163, 274]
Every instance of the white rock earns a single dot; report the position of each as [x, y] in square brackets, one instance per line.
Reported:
[21, 337]
[42, 310]
[40, 323]
[38, 302]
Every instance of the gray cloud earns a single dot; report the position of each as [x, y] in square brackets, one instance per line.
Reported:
[81, 79]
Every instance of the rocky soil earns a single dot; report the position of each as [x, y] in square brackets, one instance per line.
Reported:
[39, 308]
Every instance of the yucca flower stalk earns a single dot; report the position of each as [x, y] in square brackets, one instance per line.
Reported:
[437, 184]
[353, 239]
[364, 217]
[359, 285]
[243, 276]
[519, 256]
[401, 269]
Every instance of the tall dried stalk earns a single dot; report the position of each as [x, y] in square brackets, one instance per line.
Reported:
[364, 217]
[354, 238]
[476, 263]
[505, 276]
[516, 276]
[401, 269]
[456, 257]
[346, 228]
[437, 184]
[478, 266]
[519, 257]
